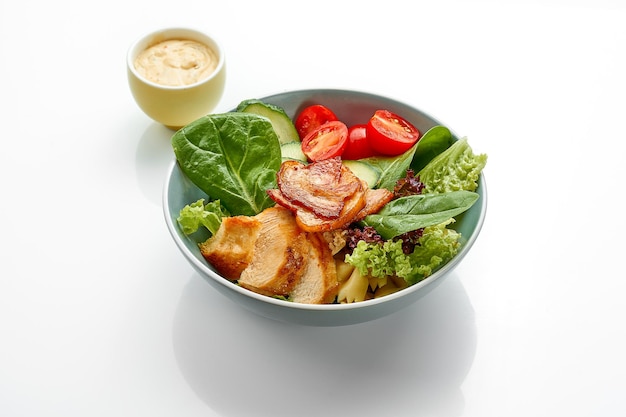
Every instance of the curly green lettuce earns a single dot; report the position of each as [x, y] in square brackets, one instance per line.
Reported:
[196, 215]
[437, 246]
[456, 168]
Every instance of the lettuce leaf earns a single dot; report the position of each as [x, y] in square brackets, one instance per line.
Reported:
[456, 168]
[196, 215]
[437, 246]
[380, 259]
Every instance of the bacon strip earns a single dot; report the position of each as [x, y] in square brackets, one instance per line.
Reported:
[325, 195]
[322, 187]
[374, 201]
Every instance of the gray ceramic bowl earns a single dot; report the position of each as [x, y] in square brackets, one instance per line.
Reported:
[351, 107]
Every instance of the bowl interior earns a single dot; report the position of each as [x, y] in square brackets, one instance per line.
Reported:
[351, 107]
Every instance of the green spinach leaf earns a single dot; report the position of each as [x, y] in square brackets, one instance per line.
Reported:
[417, 211]
[232, 157]
[391, 168]
[436, 140]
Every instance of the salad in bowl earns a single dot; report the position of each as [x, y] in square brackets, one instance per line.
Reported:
[323, 200]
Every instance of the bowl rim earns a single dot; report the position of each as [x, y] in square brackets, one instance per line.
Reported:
[170, 33]
[199, 265]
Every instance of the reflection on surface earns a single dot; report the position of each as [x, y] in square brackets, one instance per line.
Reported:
[154, 155]
[410, 363]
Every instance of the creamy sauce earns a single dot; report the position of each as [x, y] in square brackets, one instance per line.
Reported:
[176, 62]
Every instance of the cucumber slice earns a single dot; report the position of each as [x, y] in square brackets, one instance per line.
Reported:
[364, 171]
[292, 150]
[282, 124]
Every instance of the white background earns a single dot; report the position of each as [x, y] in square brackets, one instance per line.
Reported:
[100, 315]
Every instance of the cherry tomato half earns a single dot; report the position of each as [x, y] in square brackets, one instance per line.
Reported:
[390, 134]
[312, 117]
[327, 141]
[358, 145]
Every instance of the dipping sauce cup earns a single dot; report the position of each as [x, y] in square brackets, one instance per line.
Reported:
[176, 75]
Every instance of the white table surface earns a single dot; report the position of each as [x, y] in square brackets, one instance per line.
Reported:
[100, 315]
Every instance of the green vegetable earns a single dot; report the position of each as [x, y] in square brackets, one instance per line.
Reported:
[418, 211]
[232, 157]
[438, 245]
[456, 168]
[433, 142]
[292, 150]
[283, 126]
[391, 168]
[197, 214]
[364, 171]
[380, 260]
[436, 140]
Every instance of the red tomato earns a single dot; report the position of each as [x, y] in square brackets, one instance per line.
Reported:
[313, 117]
[327, 141]
[390, 134]
[358, 145]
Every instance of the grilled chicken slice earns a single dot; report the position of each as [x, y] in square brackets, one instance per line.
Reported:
[318, 284]
[230, 249]
[279, 255]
